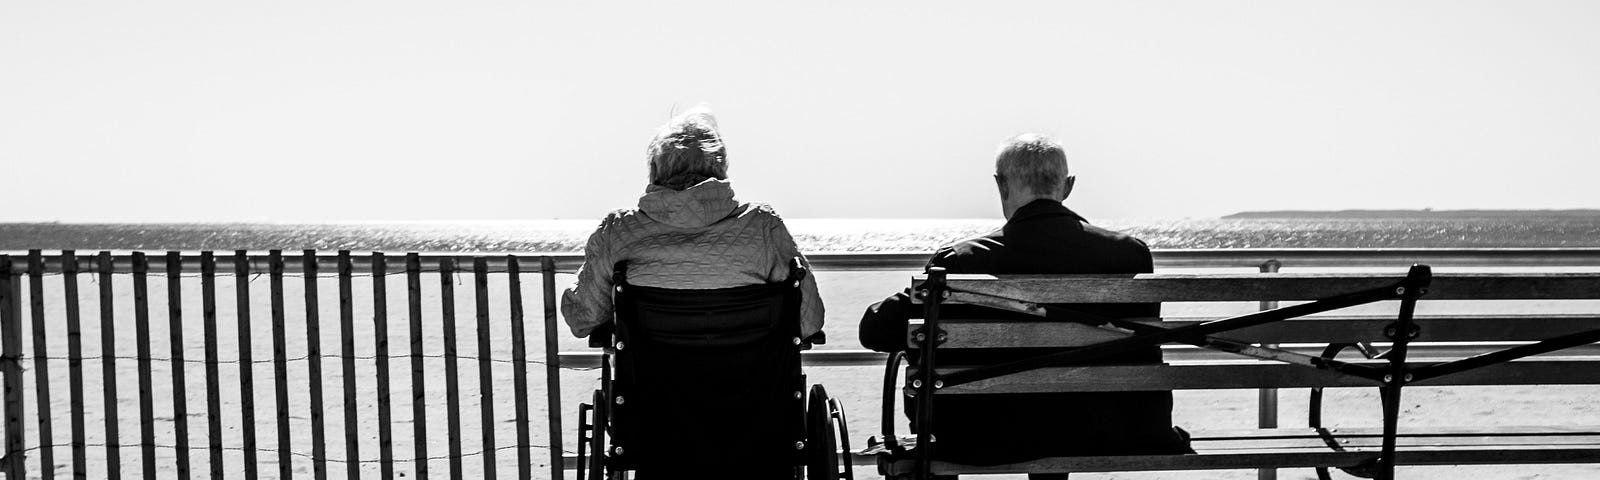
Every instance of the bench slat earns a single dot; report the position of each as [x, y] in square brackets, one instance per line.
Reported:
[1244, 375]
[1476, 328]
[867, 358]
[1304, 447]
[1487, 455]
[1374, 443]
[1168, 287]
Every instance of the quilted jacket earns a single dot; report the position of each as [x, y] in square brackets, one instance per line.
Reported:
[696, 238]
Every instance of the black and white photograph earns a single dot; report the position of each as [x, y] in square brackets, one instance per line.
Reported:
[714, 239]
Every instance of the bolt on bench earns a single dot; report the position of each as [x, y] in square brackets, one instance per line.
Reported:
[1397, 351]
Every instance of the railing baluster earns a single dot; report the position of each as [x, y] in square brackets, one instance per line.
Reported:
[247, 388]
[208, 315]
[141, 332]
[280, 364]
[419, 416]
[319, 447]
[519, 370]
[347, 350]
[1267, 398]
[480, 274]
[41, 365]
[69, 291]
[380, 320]
[11, 369]
[447, 301]
[552, 363]
[108, 369]
[180, 390]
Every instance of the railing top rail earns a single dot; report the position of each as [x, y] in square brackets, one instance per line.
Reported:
[914, 261]
[1379, 257]
[1235, 287]
[294, 262]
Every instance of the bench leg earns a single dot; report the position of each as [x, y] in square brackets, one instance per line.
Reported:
[932, 293]
[1390, 396]
[1402, 331]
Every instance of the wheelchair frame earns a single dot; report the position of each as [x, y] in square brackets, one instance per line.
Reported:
[826, 437]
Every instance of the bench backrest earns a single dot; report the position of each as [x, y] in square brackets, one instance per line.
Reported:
[1440, 338]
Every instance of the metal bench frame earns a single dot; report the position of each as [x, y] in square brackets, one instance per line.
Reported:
[1390, 377]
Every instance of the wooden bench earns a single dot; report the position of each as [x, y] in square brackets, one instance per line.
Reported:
[1405, 350]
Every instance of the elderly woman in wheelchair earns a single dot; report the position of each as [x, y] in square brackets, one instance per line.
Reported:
[702, 304]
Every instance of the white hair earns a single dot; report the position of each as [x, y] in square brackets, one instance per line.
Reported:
[1031, 163]
[687, 150]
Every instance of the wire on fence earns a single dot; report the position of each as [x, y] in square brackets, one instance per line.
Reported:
[253, 276]
[294, 359]
[291, 452]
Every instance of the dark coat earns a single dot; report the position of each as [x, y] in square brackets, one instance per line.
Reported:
[1042, 237]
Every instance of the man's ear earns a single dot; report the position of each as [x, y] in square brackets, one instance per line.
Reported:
[1000, 183]
[1066, 186]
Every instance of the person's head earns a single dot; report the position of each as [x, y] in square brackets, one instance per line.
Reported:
[1031, 167]
[687, 150]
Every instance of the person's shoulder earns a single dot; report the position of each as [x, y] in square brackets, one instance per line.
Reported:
[1111, 235]
[758, 213]
[1119, 240]
[981, 245]
[622, 219]
[968, 250]
[759, 209]
[620, 216]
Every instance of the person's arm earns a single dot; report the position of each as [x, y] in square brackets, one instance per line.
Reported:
[812, 312]
[588, 303]
[883, 326]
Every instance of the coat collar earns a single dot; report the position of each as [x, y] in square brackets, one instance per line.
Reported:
[699, 205]
[1041, 209]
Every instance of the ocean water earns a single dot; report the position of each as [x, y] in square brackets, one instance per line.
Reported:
[813, 235]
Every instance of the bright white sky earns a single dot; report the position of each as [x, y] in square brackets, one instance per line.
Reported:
[411, 110]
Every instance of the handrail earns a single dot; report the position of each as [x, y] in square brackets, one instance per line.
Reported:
[914, 261]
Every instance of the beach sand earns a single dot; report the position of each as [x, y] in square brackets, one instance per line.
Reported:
[846, 295]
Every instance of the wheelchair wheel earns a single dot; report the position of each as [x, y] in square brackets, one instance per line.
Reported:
[825, 430]
[836, 415]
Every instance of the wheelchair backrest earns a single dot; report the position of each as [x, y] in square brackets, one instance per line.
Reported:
[705, 376]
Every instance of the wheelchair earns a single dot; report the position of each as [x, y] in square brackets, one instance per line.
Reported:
[707, 384]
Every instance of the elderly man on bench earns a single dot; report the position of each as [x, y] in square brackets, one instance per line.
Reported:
[1041, 236]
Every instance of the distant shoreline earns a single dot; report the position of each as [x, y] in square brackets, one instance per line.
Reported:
[1425, 213]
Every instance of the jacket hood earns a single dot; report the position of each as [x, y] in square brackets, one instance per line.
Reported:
[699, 205]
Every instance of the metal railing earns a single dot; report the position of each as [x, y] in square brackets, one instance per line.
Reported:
[32, 269]
[105, 268]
